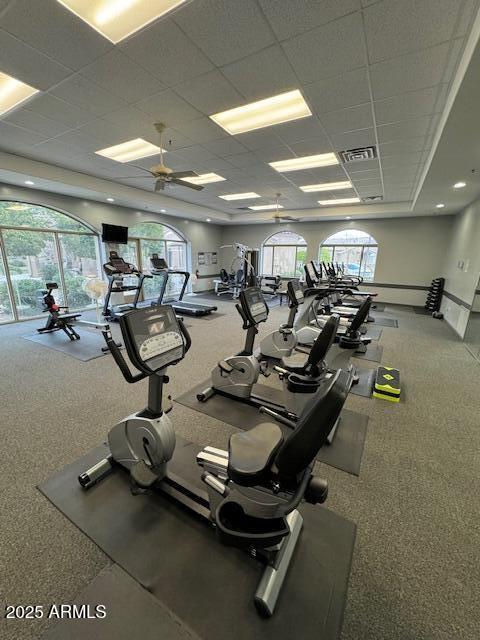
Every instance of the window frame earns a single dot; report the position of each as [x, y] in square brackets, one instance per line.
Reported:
[358, 245]
[283, 245]
[56, 233]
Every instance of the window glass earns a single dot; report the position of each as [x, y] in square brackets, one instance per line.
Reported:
[20, 214]
[355, 250]
[32, 261]
[300, 261]
[284, 261]
[6, 313]
[267, 260]
[80, 262]
[153, 230]
[284, 254]
[151, 285]
[285, 237]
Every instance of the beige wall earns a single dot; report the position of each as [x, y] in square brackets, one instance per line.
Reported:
[462, 279]
[411, 251]
[200, 236]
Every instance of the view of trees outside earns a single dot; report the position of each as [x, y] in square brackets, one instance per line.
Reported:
[42, 245]
[284, 254]
[356, 250]
[153, 237]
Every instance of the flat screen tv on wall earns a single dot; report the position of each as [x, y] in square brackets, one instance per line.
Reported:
[113, 233]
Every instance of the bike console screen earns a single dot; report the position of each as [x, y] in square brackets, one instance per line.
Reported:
[153, 337]
[254, 304]
[295, 290]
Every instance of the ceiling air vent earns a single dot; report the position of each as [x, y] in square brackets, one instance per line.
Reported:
[372, 198]
[354, 155]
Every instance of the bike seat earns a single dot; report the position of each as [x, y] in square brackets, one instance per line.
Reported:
[251, 453]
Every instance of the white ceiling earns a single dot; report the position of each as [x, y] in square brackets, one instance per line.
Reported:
[373, 73]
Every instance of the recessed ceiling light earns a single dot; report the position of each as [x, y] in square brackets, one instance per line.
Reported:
[110, 200]
[117, 19]
[204, 178]
[265, 207]
[335, 201]
[327, 186]
[240, 196]
[263, 113]
[13, 92]
[459, 185]
[29, 182]
[130, 150]
[348, 218]
[163, 211]
[306, 162]
[209, 219]
[440, 205]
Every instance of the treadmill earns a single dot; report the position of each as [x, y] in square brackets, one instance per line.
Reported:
[159, 267]
[116, 269]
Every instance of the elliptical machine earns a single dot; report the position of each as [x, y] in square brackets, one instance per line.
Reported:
[249, 493]
[57, 321]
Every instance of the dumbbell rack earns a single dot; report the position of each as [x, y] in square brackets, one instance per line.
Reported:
[435, 293]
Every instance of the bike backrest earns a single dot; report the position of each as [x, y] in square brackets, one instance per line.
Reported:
[361, 316]
[316, 422]
[324, 341]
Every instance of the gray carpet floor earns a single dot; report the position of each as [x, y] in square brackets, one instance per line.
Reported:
[415, 571]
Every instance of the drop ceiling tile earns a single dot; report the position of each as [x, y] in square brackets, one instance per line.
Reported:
[241, 160]
[79, 140]
[409, 72]
[453, 59]
[360, 166]
[291, 18]
[402, 160]
[15, 138]
[66, 113]
[364, 177]
[210, 93]
[29, 65]
[175, 140]
[321, 174]
[329, 50]
[106, 133]
[262, 74]
[169, 108]
[197, 153]
[225, 31]
[331, 94]
[55, 31]
[353, 139]
[167, 53]
[299, 130]
[83, 93]
[202, 130]
[134, 123]
[259, 139]
[226, 147]
[56, 149]
[467, 16]
[401, 146]
[416, 127]
[311, 147]
[116, 73]
[349, 119]
[272, 154]
[35, 122]
[406, 105]
[394, 28]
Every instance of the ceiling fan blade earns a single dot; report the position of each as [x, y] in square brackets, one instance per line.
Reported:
[137, 166]
[197, 187]
[133, 177]
[160, 185]
[183, 174]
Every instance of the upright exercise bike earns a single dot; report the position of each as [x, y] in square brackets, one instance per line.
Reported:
[249, 493]
[59, 319]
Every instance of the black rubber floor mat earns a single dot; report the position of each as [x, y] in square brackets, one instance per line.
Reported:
[208, 586]
[374, 353]
[131, 612]
[386, 322]
[364, 386]
[87, 348]
[345, 452]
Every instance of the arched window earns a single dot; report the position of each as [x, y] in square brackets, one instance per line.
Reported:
[153, 237]
[39, 245]
[284, 254]
[355, 250]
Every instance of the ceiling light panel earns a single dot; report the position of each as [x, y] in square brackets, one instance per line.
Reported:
[130, 150]
[265, 207]
[117, 19]
[326, 203]
[263, 113]
[204, 178]
[240, 196]
[13, 93]
[327, 186]
[306, 162]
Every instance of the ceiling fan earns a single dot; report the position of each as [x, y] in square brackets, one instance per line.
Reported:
[164, 175]
[277, 217]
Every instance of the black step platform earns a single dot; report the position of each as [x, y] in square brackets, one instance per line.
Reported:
[208, 586]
